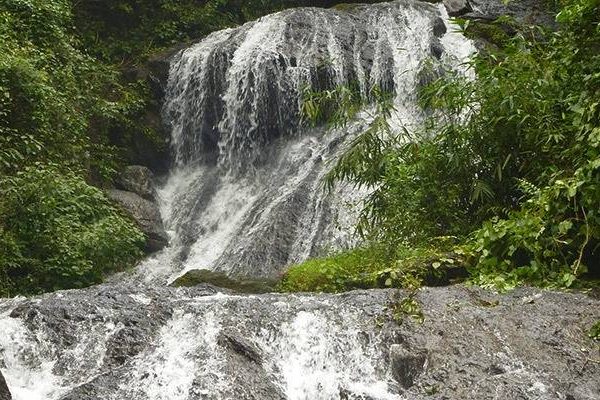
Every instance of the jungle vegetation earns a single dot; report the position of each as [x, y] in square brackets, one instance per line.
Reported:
[502, 183]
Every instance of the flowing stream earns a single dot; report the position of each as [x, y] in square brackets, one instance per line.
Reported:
[246, 198]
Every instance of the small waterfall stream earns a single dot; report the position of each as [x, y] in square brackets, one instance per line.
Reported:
[245, 198]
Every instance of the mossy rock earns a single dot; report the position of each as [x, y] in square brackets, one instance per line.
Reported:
[492, 33]
[242, 285]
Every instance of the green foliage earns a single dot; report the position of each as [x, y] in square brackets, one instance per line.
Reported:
[549, 240]
[56, 103]
[374, 266]
[58, 232]
[339, 272]
[407, 307]
[335, 107]
[58, 107]
[508, 163]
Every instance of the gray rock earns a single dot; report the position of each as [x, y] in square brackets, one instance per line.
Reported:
[139, 180]
[4, 392]
[406, 365]
[478, 343]
[523, 11]
[346, 394]
[241, 346]
[439, 27]
[147, 216]
[436, 49]
[457, 8]
[150, 150]
[532, 12]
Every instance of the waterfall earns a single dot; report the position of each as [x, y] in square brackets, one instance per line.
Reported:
[246, 194]
[245, 197]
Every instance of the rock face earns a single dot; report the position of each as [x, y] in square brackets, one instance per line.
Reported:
[147, 216]
[151, 151]
[123, 341]
[4, 392]
[247, 198]
[524, 11]
[139, 180]
[457, 8]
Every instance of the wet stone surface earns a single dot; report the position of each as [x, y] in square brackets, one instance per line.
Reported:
[119, 341]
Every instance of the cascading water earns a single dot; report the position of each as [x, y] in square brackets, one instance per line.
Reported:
[245, 198]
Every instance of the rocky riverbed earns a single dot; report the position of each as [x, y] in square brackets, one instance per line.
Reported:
[125, 342]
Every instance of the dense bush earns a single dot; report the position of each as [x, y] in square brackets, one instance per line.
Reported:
[57, 104]
[58, 232]
[508, 165]
[377, 266]
[57, 107]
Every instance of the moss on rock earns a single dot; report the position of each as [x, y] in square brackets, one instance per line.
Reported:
[242, 285]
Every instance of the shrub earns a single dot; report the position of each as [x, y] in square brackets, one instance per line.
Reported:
[508, 163]
[58, 232]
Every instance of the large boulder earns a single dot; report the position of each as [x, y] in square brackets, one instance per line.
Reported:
[4, 392]
[241, 285]
[147, 216]
[139, 180]
[523, 11]
[456, 8]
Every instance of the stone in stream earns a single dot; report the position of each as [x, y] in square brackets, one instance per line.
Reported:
[457, 8]
[241, 285]
[4, 392]
[147, 216]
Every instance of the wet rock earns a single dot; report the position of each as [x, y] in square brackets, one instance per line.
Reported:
[523, 11]
[362, 55]
[151, 150]
[240, 345]
[439, 27]
[220, 279]
[4, 392]
[457, 8]
[187, 340]
[139, 180]
[406, 365]
[98, 387]
[246, 376]
[347, 394]
[437, 49]
[147, 216]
